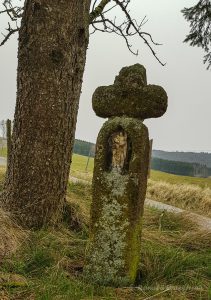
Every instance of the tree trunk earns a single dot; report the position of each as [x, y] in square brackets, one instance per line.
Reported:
[53, 40]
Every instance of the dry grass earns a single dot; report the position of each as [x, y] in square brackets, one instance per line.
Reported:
[11, 236]
[77, 210]
[87, 176]
[2, 174]
[177, 230]
[185, 196]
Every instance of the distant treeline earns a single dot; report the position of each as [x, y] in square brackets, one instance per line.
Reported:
[202, 158]
[180, 168]
[84, 148]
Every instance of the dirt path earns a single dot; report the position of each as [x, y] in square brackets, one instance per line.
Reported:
[203, 222]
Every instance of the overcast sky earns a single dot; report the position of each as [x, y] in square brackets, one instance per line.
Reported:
[186, 125]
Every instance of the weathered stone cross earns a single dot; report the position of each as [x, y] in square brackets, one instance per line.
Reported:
[120, 176]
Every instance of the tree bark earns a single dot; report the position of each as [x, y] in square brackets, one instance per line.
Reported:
[9, 141]
[53, 40]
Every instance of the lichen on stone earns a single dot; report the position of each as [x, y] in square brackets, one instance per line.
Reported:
[106, 251]
[130, 96]
[116, 182]
[132, 76]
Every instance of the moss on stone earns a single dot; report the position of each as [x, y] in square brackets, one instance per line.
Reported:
[131, 96]
[132, 76]
[113, 251]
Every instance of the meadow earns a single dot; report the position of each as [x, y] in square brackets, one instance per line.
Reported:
[79, 165]
[3, 152]
[189, 193]
[48, 264]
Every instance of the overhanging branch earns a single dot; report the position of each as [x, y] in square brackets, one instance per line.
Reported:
[100, 21]
[11, 31]
[98, 10]
[14, 13]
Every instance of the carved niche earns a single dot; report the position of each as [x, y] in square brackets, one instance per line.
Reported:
[119, 151]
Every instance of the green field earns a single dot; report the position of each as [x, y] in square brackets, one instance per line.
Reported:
[189, 193]
[3, 152]
[79, 162]
[176, 179]
[79, 165]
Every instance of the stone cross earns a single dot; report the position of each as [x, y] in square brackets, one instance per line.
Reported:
[120, 176]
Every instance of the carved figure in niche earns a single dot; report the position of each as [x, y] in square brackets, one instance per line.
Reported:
[119, 150]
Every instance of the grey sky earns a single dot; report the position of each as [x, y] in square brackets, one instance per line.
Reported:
[187, 82]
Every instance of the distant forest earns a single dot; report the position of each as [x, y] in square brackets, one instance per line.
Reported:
[202, 158]
[84, 148]
[180, 168]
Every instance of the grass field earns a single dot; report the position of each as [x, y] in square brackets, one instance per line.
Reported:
[189, 193]
[79, 162]
[176, 179]
[79, 165]
[3, 152]
[175, 260]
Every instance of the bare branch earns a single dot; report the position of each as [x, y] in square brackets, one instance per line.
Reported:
[126, 29]
[98, 10]
[5, 11]
[14, 13]
[141, 34]
[114, 29]
[11, 31]
[109, 9]
[100, 22]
